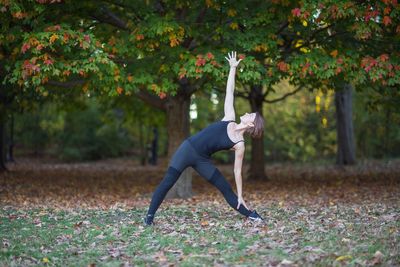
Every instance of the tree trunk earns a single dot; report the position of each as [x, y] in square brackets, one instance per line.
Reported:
[10, 150]
[2, 139]
[178, 124]
[344, 126]
[257, 170]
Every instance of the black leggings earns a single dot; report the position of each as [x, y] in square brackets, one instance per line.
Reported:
[186, 156]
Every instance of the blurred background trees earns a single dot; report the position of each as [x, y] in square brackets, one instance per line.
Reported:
[88, 80]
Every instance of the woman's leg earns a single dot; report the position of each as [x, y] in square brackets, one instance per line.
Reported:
[214, 176]
[178, 163]
[162, 189]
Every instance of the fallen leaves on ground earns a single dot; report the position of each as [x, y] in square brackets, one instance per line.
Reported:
[91, 213]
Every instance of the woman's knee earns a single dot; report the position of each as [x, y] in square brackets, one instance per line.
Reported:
[219, 181]
[170, 177]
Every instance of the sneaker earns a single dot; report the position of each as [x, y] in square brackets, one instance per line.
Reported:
[255, 217]
[148, 220]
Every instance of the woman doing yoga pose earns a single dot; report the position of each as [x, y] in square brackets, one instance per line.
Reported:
[195, 151]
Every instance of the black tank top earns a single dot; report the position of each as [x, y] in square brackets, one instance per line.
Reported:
[212, 139]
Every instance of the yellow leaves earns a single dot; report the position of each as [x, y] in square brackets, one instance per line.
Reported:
[324, 122]
[305, 50]
[234, 26]
[130, 78]
[298, 43]
[168, 29]
[334, 53]
[204, 223]
[345, 257]
[163, 68]
[116, 75]
[85, 87]
[173, 41]
[45, 260]
[10, 37]
[176, 37]
[327, 101]
[211, 3]
[232, 12]
[317, 100]
[260, 48]
[53, 38]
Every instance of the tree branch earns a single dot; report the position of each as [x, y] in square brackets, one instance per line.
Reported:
[151, 99]
[68, 84]
[110, 18]
[284, 96]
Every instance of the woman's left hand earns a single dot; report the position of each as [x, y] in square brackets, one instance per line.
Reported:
[241, 201]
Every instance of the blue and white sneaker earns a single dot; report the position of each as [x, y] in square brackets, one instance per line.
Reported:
[255, 217]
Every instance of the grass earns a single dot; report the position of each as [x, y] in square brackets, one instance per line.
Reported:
[319, 236]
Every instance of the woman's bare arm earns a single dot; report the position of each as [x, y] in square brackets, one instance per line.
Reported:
[230, 87]
[237, 168]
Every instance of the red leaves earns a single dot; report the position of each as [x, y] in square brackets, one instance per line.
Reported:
[48, 62]
[119, 90]
[25, 47]
[139, 37]
[86, 38]
[282, 66]
[367, 63]
[200, 61]
[162, 95]
[387, 20]
[29, 68]
[296, 12]
[384, 57]
[53, 28]
[182, 73]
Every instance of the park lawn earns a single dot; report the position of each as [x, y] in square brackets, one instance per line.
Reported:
[335, 234]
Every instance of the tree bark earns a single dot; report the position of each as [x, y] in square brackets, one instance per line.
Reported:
[10, 149]
[344, 126]
[257, 166]
[178, 127]
[2, 139]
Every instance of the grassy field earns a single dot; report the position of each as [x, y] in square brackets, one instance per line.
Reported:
[343, 222]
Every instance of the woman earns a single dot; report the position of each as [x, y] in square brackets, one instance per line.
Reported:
[196, 150]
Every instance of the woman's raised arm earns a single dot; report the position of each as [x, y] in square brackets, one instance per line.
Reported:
[230, 87]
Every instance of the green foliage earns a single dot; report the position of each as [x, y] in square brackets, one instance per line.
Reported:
[72, 132]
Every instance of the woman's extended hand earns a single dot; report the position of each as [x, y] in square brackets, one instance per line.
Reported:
[241, 201]
[232, 59]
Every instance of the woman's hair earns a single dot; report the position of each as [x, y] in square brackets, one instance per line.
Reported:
[258, 129]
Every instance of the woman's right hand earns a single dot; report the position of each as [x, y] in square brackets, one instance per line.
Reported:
[241, 202]
[232, 59]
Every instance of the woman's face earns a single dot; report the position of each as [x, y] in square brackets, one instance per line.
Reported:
[248, 118]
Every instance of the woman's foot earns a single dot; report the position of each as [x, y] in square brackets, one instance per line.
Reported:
[255, 217]
[148, 220]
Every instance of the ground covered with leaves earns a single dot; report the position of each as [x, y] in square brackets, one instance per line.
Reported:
[91, 214]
